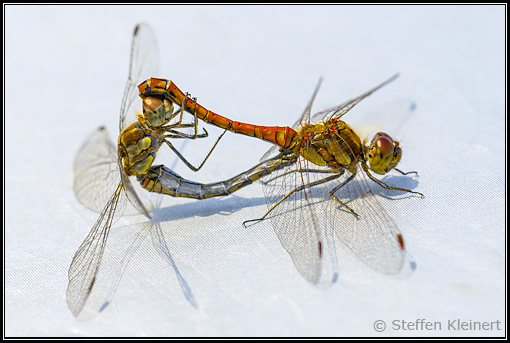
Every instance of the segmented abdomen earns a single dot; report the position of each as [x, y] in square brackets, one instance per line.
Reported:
[282, 136]
[160, 179]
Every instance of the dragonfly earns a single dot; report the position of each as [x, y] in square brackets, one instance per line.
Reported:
[316, 187]
[101, 183]
[325, 193]
[103, 169]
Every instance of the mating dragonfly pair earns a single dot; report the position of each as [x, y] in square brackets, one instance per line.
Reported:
[301, 174]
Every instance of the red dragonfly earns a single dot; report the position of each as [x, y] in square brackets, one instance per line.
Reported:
[316, 188]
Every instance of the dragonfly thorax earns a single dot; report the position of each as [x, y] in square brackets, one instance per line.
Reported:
[332, 144]
[137, 147]
[383, 153]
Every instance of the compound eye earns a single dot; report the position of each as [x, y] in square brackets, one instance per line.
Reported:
[381, 153]
[169, 108]
[154, 111]
[384, 146]
[151, 104]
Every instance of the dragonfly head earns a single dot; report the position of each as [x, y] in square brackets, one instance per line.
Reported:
[383, 153]
[157, 112]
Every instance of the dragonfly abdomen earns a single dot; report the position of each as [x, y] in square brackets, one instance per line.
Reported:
[153, 87]
[160, 179]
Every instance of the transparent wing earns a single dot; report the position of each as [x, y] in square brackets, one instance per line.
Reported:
[374, 236]
[100, 178]
[272, 150]
[298, 221]
[131, 194]
[96, 172]
[338, 111]
[391, 117]
[144, 64]
[85, 265]
[303, 120]
[305, 117]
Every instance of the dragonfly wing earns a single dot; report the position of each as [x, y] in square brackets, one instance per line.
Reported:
[305, 117]
[374, 236]
[144, 64]
[303, 120]
[338, 111]
[272, 151]
[296, 220]
[96, 172]
[131, 194]
[86, 261]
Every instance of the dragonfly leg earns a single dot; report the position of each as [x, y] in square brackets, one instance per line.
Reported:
[176, 126]
[297, 189]
[194, 114]
[325, 171]
[177, 134]
[183, 159]
[188, 164]
[336, 188]
[180, 112]
[405, 173]
[382, 184]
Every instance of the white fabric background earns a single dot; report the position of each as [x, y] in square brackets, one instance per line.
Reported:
[65, 69]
